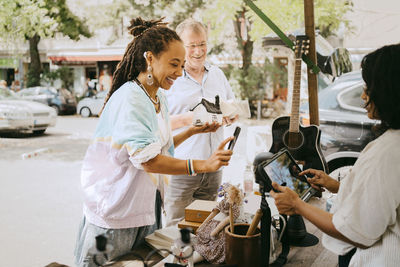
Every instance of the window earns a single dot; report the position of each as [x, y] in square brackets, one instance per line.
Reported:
[351, 98]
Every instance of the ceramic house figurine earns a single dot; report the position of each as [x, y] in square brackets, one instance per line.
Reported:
[205, 111]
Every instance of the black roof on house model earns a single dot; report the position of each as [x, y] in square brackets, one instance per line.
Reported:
[210, 107]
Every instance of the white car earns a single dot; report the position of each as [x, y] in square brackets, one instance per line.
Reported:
[18, 115]
[91, 106]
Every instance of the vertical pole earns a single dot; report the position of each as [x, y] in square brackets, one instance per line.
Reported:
[312, 77]
[265, 230]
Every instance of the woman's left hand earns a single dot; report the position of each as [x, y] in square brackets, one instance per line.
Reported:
[205, 128]
[286, 200]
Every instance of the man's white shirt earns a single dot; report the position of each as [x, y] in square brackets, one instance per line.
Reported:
[186, 93]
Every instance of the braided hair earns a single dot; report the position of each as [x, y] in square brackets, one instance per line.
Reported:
[151, 35]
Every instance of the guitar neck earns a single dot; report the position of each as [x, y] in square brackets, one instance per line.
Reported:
[294, 117]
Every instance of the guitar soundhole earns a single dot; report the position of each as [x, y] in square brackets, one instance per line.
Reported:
[293, 140]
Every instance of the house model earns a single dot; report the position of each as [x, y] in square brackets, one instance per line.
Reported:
[205, 111]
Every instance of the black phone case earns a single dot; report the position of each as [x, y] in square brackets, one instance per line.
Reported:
[235, 135]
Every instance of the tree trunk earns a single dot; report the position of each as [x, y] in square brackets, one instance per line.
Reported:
[245, 45]
[35, 68]
[247, 54]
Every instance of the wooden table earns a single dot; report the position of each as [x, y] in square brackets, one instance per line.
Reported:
[314, 256]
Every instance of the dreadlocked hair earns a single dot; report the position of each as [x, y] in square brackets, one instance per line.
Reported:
[151, 35]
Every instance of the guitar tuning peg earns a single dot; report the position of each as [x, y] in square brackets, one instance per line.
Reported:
[306, 52]
[307, 46]
[308, 41]
[294, 47]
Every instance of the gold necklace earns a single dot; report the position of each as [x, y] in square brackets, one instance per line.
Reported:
[155, 102]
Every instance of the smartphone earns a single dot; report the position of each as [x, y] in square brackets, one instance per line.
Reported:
[235, 137]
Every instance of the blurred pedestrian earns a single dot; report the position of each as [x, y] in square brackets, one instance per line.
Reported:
[105, 79]
[3, 84]
[15, 86]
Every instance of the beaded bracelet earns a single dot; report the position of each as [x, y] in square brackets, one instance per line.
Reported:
[190, 167]
[187, 167]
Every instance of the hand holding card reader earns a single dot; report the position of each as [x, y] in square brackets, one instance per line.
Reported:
[283, 169]
[235, 137]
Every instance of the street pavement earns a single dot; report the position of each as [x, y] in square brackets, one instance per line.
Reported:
[40, 198]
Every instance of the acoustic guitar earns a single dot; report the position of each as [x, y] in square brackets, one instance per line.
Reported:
[287, 132]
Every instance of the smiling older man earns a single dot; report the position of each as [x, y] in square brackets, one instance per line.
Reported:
[199, 80]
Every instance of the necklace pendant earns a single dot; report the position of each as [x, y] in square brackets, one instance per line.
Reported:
[154, 101]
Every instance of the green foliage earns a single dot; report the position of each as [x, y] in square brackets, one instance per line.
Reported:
[179, 10]
[22, 19]
[36, 19]
[65, 74]
[248, 86]
[276, 75]
[66, 23]
[49, 77]
[251, 84]
[330, 14]
[289, 16]
[118, 14]
[32, 79]
[67, 77]
[216, 49]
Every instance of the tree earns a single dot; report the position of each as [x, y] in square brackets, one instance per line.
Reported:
[230, 20]
[32, 20]
[249, 28]
[118, 14]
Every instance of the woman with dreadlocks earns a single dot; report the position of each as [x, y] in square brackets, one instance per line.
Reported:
[133, 146]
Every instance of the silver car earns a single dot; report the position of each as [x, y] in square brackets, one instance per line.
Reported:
[345, 126]
[17, 115]
[91, 106]
[60, 99]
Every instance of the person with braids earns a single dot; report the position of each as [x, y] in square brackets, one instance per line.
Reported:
[364, 228]
[133, 146]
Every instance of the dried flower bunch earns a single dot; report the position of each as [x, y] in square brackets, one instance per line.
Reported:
[231, 193]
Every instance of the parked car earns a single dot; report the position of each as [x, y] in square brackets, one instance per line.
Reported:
[18, 115]
[91, 106]
[61, 99]
[345, 126]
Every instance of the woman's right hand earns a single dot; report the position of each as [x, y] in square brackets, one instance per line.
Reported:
[219, 158]
[321, 180]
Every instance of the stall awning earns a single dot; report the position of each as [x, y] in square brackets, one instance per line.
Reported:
[84, 58]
